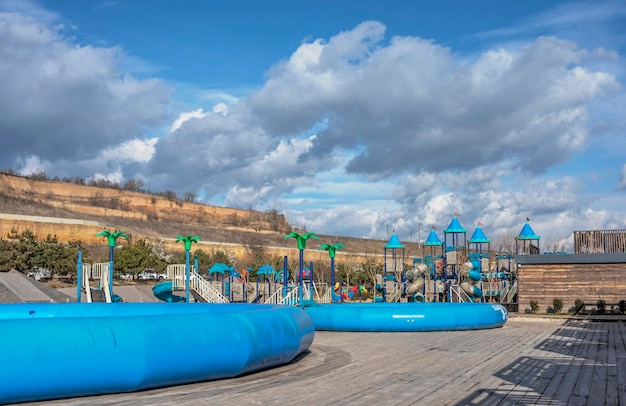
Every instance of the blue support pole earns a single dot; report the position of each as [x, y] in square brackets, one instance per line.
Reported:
[285, 275]
[195, 264]
[111, 253]
[79, 276]
[300, 276]
[332, 280]
[187, 275]
[311, 288]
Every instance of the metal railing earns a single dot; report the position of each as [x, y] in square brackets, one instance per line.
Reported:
[197, 283]
[459, 295]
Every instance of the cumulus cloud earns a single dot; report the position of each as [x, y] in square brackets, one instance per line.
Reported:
[63, 101]
[354, 134]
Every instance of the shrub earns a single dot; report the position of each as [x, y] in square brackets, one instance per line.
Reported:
[622, 306]
[601, 306]
[557, 304]
[534, 306]
[579, 304]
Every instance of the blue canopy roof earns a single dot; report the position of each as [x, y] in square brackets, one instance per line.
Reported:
[455, 227]
[478, 236]
[220, 268]
[433, 239]
[266, 269]
[527, 233]
[394, 242]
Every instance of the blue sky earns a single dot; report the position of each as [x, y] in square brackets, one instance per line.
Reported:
[352, 117]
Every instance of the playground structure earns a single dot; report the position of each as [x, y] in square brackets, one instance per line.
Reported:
[456, 269]
[99, 272]
[225, 285]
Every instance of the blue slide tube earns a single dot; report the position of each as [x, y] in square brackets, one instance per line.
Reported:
[407, 316]
[52, 351]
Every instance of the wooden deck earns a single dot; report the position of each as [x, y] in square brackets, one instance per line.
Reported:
[528, 361]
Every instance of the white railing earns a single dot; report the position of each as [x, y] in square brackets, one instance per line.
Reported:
[205, 290]
[104, 285]
[395, 294]
[508, 294]
[176, 273]
[328, 296]
[459, 294]
[85, 280]
[102, 273]
[98, 269]
[292, 297]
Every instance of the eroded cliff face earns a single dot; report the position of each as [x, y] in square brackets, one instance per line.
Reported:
[74, 212]
[101, 202]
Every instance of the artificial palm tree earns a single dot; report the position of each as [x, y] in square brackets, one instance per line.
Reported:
[331, 252]
[111, 237]
[301, 239]
[187, 241]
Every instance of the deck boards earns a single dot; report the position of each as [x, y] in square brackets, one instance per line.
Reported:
[528, 361]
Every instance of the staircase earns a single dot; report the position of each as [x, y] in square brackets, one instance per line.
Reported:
[509, 293]
[291, 298]
[197, 284]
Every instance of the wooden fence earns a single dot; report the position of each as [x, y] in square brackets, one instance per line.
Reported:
[599, 241]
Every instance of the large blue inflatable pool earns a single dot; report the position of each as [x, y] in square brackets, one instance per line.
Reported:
[52, 351]
[407, 316]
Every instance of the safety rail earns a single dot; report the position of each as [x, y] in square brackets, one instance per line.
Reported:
[508, 294]
[395, 294]
[177, 272]
[328, 296]
[203, 288]
[291, 298]
[459, 294]
[98, 269]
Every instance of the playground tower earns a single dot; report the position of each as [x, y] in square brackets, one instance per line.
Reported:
[524, 241]
[455, 243]
[394, 269]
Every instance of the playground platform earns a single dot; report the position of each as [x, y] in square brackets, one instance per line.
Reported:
[531, 360]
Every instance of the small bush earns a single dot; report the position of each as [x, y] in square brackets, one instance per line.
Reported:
[601, 306]
[557, 304]
[534, 306]
[579, 304]
[622, 306]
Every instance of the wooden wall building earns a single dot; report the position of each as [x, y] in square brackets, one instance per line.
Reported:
[588, 277]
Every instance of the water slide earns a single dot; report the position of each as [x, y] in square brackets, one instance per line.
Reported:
[163, 291]
[55, 351]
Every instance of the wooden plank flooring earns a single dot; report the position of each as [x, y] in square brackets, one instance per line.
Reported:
[526, 362]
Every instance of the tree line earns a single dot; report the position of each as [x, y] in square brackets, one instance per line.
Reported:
[24, 253]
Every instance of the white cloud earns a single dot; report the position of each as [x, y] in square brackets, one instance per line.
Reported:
[131, 151]
[354, 134]
[62, 101]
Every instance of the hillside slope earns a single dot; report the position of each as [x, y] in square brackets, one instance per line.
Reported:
[146, 215]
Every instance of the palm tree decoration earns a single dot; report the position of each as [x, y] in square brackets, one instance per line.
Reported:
[111, 237]
[301, 239]
[187, 241]
[331, 252]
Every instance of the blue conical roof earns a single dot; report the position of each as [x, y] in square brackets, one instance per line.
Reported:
[394, 242]
[433, 239]
[478, 236]
[527, 233]
[455, 227]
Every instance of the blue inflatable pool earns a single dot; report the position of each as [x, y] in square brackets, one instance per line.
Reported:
[407, 316]
[52, 351]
